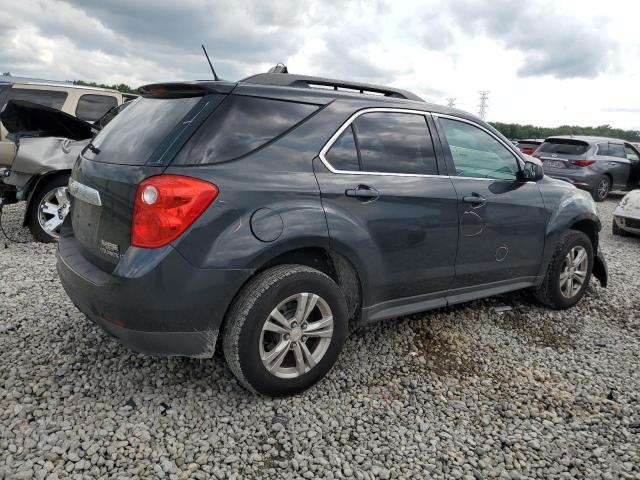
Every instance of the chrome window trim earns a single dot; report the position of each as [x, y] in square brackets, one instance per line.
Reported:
[348, 123]
[424, 113]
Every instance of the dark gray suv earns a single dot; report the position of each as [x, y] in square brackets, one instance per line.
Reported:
[595, 164]
[267, 214]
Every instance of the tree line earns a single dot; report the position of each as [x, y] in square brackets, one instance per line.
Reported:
[515, 131]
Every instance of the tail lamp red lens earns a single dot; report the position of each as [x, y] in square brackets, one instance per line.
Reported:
[165, 206]
[582, 163]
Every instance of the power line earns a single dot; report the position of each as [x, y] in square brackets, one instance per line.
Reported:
[483, 106]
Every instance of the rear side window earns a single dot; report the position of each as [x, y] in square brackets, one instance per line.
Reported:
[133, 135]
[48, 98]
[395, 143]
[617, 150]
[564, 146]
[343, 155]
[603, 150]
[239, 126]
[91, 107]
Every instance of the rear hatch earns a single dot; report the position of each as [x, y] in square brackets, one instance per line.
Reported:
[136, 144]
[557, 154]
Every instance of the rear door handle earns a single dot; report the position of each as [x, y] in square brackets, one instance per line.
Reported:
[474, 199]
[362, 192]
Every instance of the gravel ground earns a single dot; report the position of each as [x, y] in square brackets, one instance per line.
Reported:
[464, 392]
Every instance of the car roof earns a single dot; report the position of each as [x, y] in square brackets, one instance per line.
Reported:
[586, 138]
[5, 79]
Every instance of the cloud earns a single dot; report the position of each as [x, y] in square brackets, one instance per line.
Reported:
[552, 42]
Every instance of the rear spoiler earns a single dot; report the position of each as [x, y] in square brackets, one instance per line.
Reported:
[185, 89]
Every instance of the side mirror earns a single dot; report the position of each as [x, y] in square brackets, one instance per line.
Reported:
[532, 171]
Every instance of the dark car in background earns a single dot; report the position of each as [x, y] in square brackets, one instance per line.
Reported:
[273, 211]
[528, 146]
[595, 164]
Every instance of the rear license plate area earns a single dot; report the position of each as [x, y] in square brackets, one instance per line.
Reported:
[554, 163]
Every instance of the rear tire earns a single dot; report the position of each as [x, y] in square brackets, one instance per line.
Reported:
[564, 286]
[285, 330]
[48, 208]
[602, 190]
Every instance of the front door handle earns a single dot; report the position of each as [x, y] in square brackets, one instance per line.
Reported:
[362, 192]
[474, 199]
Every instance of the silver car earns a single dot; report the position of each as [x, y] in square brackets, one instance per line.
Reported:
[595, 164]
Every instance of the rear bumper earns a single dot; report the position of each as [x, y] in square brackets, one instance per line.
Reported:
[174, 309]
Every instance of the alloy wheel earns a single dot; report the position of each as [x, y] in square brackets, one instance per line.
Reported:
[574, 271]
[603, 188]
[53, 209]
[296, 335]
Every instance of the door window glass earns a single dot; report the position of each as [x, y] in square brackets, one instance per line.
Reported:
[91, 107]
[48, 98]
[603, 150]
[631, 154]
[617, 150]
[343, 155]
[477, 154]
[392, 142]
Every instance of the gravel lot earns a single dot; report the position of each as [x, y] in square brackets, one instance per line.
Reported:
[464, 392]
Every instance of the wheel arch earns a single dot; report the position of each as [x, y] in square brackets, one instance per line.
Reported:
[33, 187]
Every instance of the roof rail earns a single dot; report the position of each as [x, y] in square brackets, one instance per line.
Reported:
[304, 81]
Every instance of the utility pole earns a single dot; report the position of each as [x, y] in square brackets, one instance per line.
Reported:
[451, 102]
[482, 108]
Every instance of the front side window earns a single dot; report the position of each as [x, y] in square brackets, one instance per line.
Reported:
[391, 142]
[48, 98]
[631, 154]
[91, 107]
[477, 154]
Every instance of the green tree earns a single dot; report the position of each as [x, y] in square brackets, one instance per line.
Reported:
[517, 131]
[121, 87]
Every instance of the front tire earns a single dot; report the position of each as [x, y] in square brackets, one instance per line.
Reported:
[285, 330]
[602, 190]
[48, 208]
[568, 273]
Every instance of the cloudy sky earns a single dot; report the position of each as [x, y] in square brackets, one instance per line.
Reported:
[544, 62]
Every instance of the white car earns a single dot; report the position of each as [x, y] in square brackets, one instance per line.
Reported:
[626, 216]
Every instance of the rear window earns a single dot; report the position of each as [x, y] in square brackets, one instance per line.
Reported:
[92, 107]
[563, 146]
[239, 126]
[132, 136]
[48, 98]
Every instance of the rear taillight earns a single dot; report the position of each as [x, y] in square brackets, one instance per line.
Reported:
[165, 206]
[582, 163]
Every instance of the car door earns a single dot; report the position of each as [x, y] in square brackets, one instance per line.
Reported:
[387, 208]
[634, 157]
[617, 164]
[502, 219]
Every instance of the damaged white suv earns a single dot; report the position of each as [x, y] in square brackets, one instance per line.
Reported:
[626, 216]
